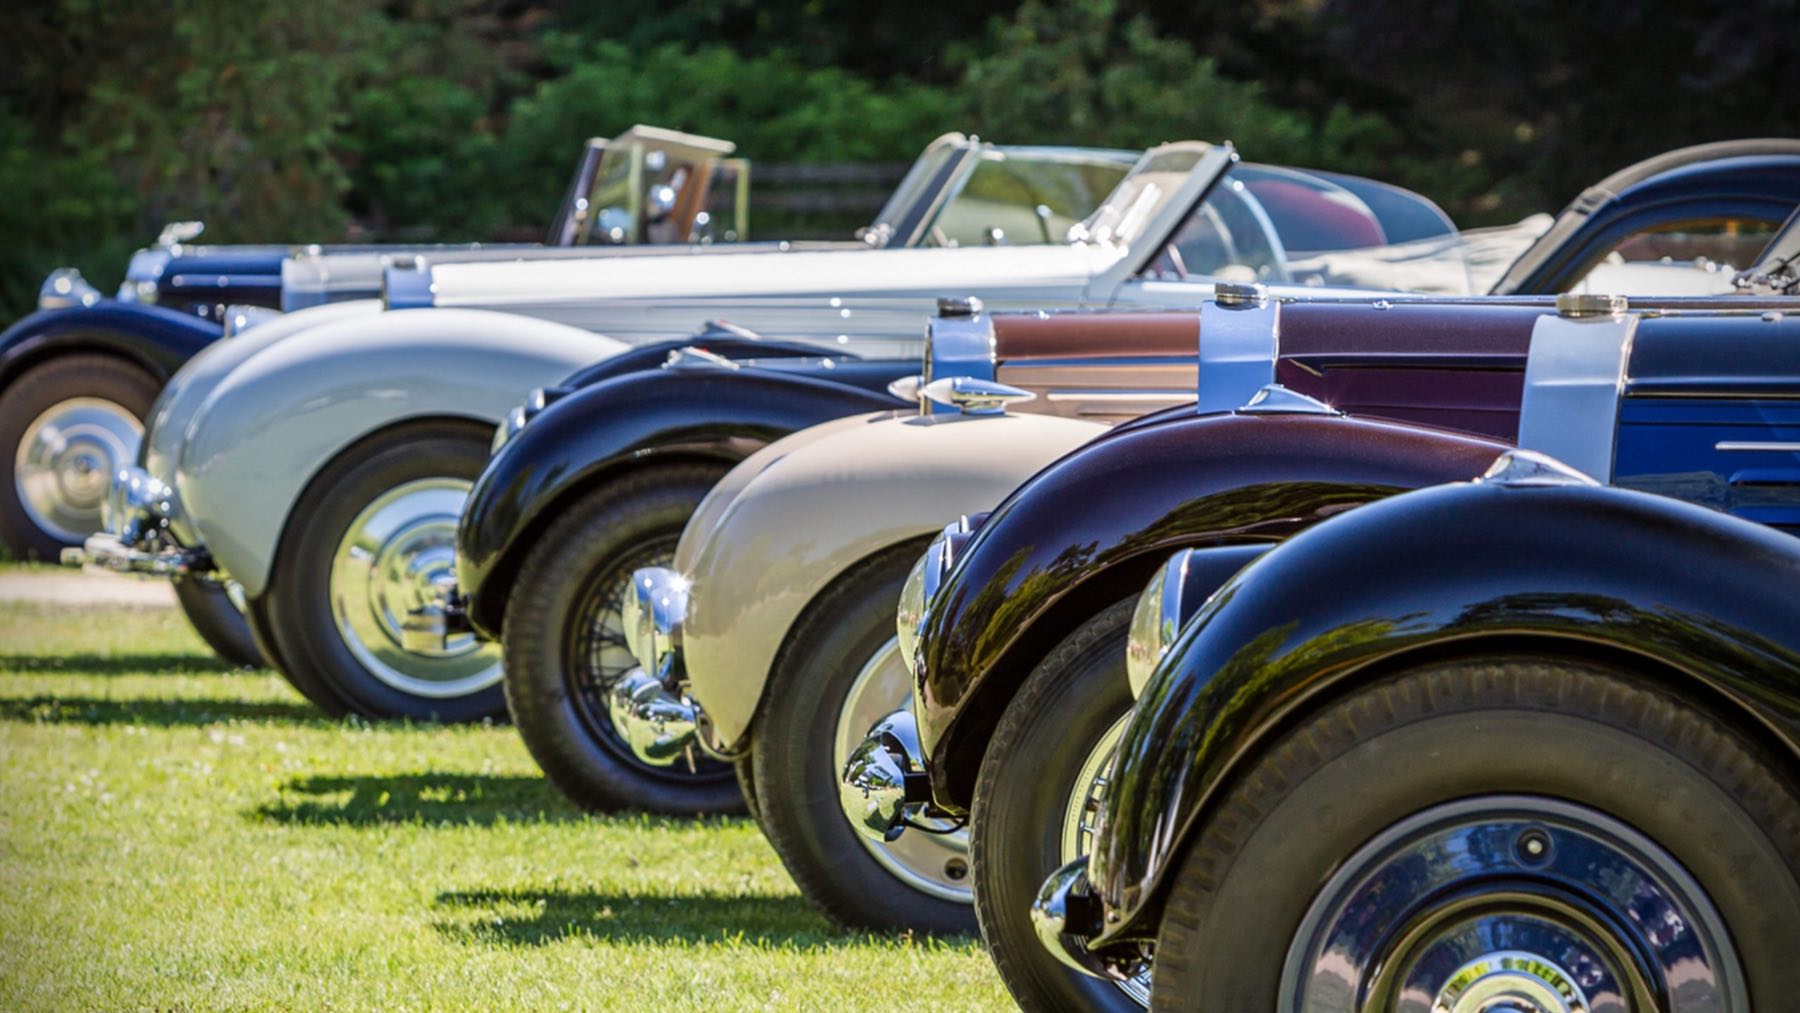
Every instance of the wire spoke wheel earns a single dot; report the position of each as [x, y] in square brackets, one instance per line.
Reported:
[597, 657]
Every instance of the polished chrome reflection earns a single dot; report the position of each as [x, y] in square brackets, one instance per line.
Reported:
[398, 555]
[1077, 829]
[66, 460]
[1516, 903]
[932, 859]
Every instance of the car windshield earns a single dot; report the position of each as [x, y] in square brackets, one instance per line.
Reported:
[1025, 196]
[659, 186]
[1271, 224]
[1140, 195]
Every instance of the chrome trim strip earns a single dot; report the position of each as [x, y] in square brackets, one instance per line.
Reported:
[1573, 383]
[1119, 396]
[1238, 344]
[1752, 445]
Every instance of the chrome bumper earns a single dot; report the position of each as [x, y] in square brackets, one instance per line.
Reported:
[883, 786]
[1067, 916]
[108, 552]
[431, 628]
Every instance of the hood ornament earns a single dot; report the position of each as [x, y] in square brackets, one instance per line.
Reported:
[1528, 469]
[974, 397]
[1274, 399]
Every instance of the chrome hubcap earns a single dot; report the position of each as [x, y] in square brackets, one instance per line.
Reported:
[933, 860]
[399, 554]
[1512, 904]
[599, 658]
[1078, 819]
[66, 460]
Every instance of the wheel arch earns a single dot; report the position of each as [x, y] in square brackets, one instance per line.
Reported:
[1573, 571]
[1035, 569]
[502, 571]
[471, 427]
[154, 340]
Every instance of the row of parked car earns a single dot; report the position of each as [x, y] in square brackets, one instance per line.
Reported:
[1251, 591]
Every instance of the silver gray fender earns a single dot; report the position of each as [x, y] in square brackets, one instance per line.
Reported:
[269, 425]
[185, 394]
[793, 517]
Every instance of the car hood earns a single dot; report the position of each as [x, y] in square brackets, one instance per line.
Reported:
[549, 288]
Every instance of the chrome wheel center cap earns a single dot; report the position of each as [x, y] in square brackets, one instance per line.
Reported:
[397, 555]
[416, 568]
[934, 863]
[1510, 981]
[65, 462]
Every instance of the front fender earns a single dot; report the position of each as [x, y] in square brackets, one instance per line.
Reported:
[1697, 599]
[155, 338]
[186, 393]
[271, 423]
[626, 422]
[793, 517]
[1037, 569]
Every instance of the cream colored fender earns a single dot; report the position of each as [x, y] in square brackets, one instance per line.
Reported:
[269, 425]
[793, 517]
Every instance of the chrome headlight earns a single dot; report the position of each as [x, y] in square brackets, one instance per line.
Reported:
[1156, 620]
[239, 319]
[922, 585]
[65, 288]
[535, 402]
[508, 428]
[136, 506]
[652, 615]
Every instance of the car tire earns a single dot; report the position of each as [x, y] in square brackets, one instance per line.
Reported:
[67, 425]
[843, 634]
[363, 544]
[1478, 740]
[574, 576]
[746, 779]
[1071, 706]
[210, 610]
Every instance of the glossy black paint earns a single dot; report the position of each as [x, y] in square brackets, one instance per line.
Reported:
[627, 419]
[1037, 569]
[1696, 599]
[154, 337]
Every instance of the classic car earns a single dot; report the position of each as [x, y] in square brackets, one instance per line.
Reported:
[365, 430]
[1541, 741]
[77, 377]
[775, 559]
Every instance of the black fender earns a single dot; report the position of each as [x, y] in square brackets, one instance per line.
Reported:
[152, 337]
[1698, 600]
[643, 419]
[720, 339]
[1039, 567]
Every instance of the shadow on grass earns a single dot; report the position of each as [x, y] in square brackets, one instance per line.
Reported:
[118, 664]
[540, 917]
[451, 799]
[81, 710]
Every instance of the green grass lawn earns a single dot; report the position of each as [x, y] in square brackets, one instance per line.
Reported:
[176, 835]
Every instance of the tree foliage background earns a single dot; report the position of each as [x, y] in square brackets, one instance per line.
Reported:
[323, 120]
